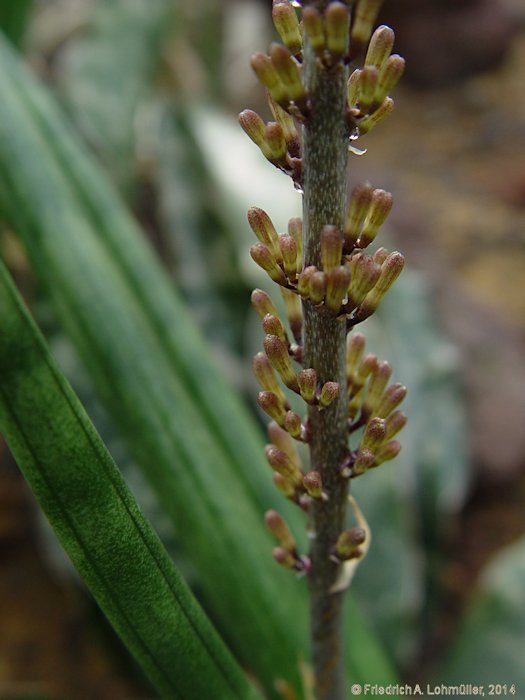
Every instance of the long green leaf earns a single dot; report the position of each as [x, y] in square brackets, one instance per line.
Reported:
[98, 522]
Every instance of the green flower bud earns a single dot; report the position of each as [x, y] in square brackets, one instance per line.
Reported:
[262, 303]
[255, 128]
[365, 15]
[353, 88]
[358, 208]
[313, 485]
[331, 248]
[329, 393]
[288, 249]
[380, 207]
[389, 76]
[337, 20]
[274, 136]
[287, 25]
[269, 77]
[368, 123]
[365, 274]
[380, 47]
[284, 558]
[263, 228]
[364, 460]
[272, 405]
[337, 287]
[284, 441]
[376, 386]
[289, 73]
[272, 325]
[282, 464]
[395, 423]
[285, 487]
[265, 375]
[391, 399]
[292, 424]
[307, 380]
[388, 451]
[303, 282]
[287, 123]
[295, 229]
[317, 287]
[374, 435]
[294, 313]
[262, 256]
[280, 360]
[278, 526]
[355, 346]
[348, 542]
[314, 27]
[367, 88]
[390, 271]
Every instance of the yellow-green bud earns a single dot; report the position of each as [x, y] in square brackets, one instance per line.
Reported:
[262, 303]
[367, 88]
[274, 135]
[331, 247]
[377, 385]
[294, 313]
[280, 360]
[285, 558]
[303, 283]
[287, 25]
[337, 287]
[262, 256]
[284, 485]
[364, 460]
[283, 440]
[278, 526]
[380, 47]
[368, 123]
[281, 463]
[353, 88]
[388, 451]
[395, 423]
[295, 229]
[391, 399]
[389, 77]
[390, 271]
[358, 208]
[317, 287]
[355, 346]
[348, 542]
[365, 274]
[265, 375]
[269, 77]
[337, 20]
[314, 26]
[313, 485]
[365, 15]
[329, 392]
[255, 128]
[374, 435]
[288, 249]
[288, 72]
[272, 405]
[287, 123]
[380, 207]
[263, 228]
[307, 380]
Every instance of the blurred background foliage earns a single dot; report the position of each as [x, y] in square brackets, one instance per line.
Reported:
[153, 87]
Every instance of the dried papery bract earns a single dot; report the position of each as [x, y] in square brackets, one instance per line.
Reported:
[327, 84]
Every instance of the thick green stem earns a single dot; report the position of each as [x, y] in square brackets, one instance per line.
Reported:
[325, 140]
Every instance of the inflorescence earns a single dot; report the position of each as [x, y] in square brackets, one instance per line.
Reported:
[350, 283]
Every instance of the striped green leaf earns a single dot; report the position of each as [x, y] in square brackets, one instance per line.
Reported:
[98, 522]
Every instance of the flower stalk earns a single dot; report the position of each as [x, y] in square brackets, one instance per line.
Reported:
[321, 103]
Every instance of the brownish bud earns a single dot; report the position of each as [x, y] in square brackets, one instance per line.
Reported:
[277, 353]
[291, 135]
[358, 208]
[388, 451]
[263, 257]
[288, 249]
[317, 287]
[331, 247]
[365, 274]
[282, 464]
[355, 346]
[329, 393]
[313, 485]
[274, 136]
[390, 271]
[292, 424]
[307, 380]
[262, 303]
[285, 558]
[288, 72]
[272, 405]
[278, 526]
[294, 313]
[337, 287]
[380, 255]
[374, 435]
[380, 47]
[395, 423]
[353, 88]
[380, 207]
[365, 459]
[269, 77]
[348, 543]
[303, 282]
[314, 27]
[255, 128]
[283, 440]
[390, 400]
[263, 228]
[272, 325]
[295, 229]
[285, 487]
[265, 375]
[377, 385]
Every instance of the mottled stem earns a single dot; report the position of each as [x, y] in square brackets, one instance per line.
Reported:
[325, 143]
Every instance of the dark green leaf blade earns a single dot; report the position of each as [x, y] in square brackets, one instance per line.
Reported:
[98, 522]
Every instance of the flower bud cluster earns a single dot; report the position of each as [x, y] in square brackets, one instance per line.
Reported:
[372, 405]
